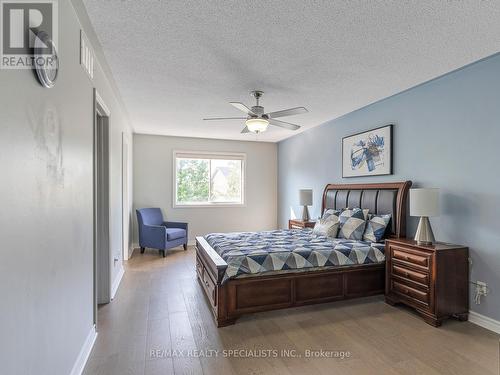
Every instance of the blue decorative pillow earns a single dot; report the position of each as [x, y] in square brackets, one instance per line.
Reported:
[352, 224]
[375, 227]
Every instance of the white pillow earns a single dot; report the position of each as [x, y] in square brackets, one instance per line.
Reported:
[328, 227]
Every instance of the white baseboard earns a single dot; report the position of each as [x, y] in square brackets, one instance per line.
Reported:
[82, 358]
[116, 282]
[484, 321]
[136, 246]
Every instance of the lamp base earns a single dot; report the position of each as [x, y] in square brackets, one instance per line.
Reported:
[305, 214]
[424, 234]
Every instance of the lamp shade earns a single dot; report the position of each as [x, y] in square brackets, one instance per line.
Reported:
[424, 202]
[305, 197]
[257, 125]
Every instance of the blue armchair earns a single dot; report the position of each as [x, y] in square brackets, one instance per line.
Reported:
[158, 234]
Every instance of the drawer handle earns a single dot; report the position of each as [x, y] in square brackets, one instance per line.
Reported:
[206, 283]
[406, 291]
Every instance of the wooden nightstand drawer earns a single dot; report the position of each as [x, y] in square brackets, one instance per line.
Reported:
[418, 259]
[409, 292]
[418, 277]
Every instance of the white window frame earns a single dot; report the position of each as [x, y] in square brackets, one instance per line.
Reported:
[209, 155]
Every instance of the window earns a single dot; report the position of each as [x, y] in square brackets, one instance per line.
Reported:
[208, 179]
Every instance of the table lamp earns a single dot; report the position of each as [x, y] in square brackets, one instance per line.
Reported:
[305, 199]
[424, 203]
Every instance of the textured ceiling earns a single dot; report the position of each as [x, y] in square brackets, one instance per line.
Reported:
[176, 62]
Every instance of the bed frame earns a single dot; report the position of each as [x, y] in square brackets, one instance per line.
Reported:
[257, 293]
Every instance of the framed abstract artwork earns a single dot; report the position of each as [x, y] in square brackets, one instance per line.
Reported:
[368, 153]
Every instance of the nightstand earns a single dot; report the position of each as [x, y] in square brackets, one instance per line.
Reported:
[433, 280]
[300, 224]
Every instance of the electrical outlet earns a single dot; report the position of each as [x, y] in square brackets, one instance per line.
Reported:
[481, 288]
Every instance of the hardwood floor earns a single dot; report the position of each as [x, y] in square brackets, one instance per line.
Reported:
[160, 315]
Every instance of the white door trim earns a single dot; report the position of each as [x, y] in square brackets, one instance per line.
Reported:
[126, 212]
[103, 110]
[102, 230]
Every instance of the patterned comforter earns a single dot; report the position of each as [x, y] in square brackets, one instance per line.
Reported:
[283, 250]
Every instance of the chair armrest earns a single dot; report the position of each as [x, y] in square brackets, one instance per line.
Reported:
[174, 224]
[155, 236]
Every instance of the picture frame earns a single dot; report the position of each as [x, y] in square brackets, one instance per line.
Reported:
[368, 153]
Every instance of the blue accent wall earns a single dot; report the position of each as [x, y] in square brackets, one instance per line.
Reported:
[446, 135]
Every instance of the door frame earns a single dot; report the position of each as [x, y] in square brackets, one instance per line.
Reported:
[101, 233]
[126, 212]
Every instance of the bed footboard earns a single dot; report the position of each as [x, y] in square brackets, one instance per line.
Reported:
[210, 269]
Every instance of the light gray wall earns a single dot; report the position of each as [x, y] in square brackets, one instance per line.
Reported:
[446, 135]
[153, 184]
[46, 217]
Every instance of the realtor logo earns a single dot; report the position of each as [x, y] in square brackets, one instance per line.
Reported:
[21, 21]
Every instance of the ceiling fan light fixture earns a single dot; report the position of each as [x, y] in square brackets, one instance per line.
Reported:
[257, 120]
[257, 125]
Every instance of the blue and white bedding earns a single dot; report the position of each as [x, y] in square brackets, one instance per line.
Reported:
[289, 249]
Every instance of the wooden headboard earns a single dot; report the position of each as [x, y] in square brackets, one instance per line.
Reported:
[380, 199]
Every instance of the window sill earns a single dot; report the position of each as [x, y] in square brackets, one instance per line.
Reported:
[210, 205]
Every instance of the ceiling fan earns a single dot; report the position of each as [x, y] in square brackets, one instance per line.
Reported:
[257, 121]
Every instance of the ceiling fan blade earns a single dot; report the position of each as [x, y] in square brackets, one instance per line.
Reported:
[242, 107]
[288, 112]
[245, 130]
[224, 118]
[283, 124]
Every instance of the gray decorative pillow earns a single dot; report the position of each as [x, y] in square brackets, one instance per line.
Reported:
[352, 224]
[330, 212]
[375, 227]
[365, 211]
[328, 227]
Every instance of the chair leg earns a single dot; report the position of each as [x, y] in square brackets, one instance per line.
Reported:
[163, 252]
[185, 246]
[142, 250]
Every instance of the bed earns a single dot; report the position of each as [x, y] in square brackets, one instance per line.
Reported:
[248, 272]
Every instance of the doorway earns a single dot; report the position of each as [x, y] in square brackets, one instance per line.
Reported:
[102, 255]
